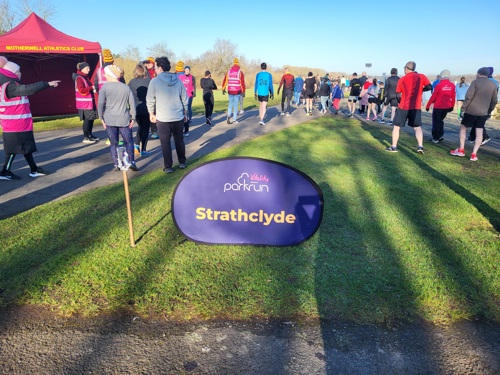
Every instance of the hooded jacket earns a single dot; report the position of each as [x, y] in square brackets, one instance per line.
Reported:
[167, 98]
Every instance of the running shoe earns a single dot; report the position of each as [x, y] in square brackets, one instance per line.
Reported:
[93, 138]
[182, 166]
[389, 122]
[108, 142]
[137, 150]
[420, 150]
[145, 153]
[458, 152]
[381, 121]
[133, 167]
[228, 120]
[391, 149]
[88, 140]
[434, 140]
[236, 122]
[282, 113]
[262, 123]
[473, 157]
[287, 114]
[39, 172]
[153, 136]
[186, 134]
[168, 170]
[486, 140]
[8, 175]
[241, 112]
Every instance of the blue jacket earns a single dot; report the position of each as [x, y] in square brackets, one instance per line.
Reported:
[264, 84]
[337, 92]
[299, 84]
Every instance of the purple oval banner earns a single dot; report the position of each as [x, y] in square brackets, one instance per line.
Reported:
[247, 201]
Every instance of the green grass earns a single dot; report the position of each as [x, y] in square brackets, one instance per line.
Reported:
[403, 237]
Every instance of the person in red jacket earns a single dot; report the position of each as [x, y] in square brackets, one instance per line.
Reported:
[409, 95]
[443, 101]
[288, 83]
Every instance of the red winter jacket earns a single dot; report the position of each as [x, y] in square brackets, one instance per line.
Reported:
[443, 95]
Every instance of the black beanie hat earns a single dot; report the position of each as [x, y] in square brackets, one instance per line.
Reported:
[82, 65]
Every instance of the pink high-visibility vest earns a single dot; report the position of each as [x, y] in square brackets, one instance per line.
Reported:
[15, 113]
[83, 101]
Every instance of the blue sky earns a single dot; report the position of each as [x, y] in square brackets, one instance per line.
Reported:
[460, 36]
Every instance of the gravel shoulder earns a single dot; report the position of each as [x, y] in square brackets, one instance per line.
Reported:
[35, 341]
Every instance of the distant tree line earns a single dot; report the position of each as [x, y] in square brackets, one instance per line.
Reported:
[217, 60]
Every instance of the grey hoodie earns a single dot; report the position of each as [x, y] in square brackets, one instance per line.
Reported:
[167, 97]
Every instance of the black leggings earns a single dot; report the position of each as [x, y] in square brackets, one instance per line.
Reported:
[287, 94]
[143, 125]
[208, 100]
[9, 159]
[87, 126]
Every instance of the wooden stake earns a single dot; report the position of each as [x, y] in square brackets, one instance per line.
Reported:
[129, 210]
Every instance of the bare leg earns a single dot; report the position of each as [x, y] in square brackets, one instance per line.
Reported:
[419, 134]
[463, 133]
[395, 135]
[479, 139]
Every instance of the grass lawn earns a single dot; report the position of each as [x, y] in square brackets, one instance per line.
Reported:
[403, 237]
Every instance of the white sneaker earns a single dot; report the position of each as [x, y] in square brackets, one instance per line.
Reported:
[282, 113]
[241, 112]
[288, 114]
[262, 123]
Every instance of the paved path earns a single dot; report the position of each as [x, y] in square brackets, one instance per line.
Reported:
[76, 167]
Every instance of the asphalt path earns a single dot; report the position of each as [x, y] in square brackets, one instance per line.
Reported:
[76, 167]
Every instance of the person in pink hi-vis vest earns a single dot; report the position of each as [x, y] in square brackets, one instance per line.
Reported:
[16, 119]
[234, 85]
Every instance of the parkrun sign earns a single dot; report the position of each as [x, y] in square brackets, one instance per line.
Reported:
[247, 201]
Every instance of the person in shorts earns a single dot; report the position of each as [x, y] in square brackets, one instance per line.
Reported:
[263, 90]
[355, 85]
[390, 97]
[310, 88]
[480, 101]
[409, 94]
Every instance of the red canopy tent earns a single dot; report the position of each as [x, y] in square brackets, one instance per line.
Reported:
[46, 54]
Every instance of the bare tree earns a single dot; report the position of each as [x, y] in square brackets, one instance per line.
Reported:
[10, 16]
[220, 58]
[161, 49]
[7, 17]
[42, 8]
[131, 53]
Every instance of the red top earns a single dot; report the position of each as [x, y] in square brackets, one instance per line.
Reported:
[287, 81]
[443, 95]
[411, 87]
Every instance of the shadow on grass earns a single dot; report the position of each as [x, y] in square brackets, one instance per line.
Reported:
[356, 265]
[358, 242]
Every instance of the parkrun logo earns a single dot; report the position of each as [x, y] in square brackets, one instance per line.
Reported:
[249, 182]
